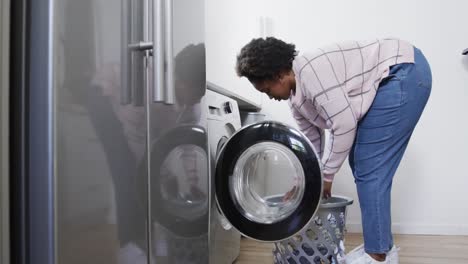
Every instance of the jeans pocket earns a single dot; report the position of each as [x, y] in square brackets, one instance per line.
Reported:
[389, 95]
[424, 77]
[389, 78]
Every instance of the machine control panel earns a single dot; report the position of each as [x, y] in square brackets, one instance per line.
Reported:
[227, 107]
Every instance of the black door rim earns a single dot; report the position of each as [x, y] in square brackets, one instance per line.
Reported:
[279, 133]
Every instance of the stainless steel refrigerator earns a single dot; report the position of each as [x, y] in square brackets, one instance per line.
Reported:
[108, 132]
[4, 131]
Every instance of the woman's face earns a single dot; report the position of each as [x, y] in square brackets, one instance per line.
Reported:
[278, 88]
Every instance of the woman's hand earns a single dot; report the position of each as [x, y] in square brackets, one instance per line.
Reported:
[289, 194]
[327, 186]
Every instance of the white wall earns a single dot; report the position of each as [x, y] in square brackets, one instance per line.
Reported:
[429, 189]
[229, 25]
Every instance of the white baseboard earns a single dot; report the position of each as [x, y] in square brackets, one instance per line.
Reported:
[415, 229]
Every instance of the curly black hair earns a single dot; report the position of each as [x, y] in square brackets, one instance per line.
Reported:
[264, 59]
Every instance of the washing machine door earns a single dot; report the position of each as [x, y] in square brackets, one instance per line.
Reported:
[268, 181]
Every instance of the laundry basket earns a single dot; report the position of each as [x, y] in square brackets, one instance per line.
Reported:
[320, 242]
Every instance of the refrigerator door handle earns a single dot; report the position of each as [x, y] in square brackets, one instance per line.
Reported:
[169, 92]
[130, 90]
[136, 59]
[160, 49]
[145, 46]
[125, 55]
[158, 52]
[141, 46]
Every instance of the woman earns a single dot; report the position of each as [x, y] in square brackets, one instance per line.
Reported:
[369, 95]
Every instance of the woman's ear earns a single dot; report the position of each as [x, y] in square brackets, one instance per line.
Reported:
[281, 77]
[284, 75]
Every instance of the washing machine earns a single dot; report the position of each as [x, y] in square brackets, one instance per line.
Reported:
[223, 121]
[267, 180]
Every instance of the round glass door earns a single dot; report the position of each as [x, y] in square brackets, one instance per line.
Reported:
[268, 181]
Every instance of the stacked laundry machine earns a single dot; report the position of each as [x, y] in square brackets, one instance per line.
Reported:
[223, 121]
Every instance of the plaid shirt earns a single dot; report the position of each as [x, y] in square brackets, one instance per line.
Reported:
[335, 86]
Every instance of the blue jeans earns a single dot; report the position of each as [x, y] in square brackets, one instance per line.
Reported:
[382, 136]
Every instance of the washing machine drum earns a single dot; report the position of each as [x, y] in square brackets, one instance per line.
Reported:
[268, 181]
